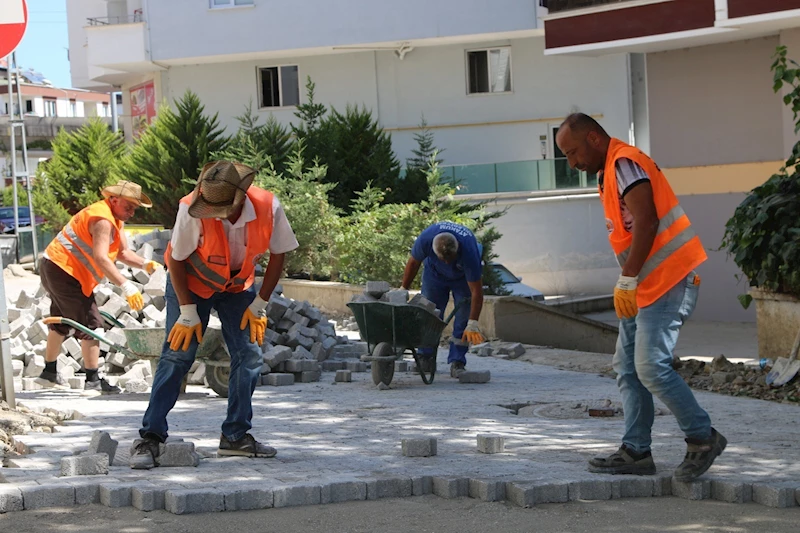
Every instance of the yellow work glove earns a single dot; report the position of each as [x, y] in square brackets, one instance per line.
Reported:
[472, 334]
[255, 316]
[151, 266]
[187, 326]
[625, 297]
[132, 294]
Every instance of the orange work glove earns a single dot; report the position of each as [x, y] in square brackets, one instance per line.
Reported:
[132, 294]
[151, 266]
[472, 334]
[187, 326]
[255, 317]
[625, 297]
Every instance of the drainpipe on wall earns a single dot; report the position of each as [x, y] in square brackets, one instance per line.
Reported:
[721, 9]
[114, 113]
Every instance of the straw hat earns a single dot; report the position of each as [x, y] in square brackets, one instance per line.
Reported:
[221, 189]
[130, 191]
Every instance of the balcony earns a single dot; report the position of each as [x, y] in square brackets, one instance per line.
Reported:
[558, 6]
[117, 48]
[517, 176]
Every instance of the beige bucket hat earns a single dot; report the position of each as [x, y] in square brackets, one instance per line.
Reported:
[221, 188]
[130, 191]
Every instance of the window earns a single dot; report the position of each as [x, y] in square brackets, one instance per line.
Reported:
[489, 71]
[279, 86]
[73, 108]
[230, 3]
[105, 111]
[50, 107]
[29, 106]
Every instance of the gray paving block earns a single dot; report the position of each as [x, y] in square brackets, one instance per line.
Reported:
[401, 366]
[116, 494]
[694, 490]
[475, 376]
[277, 355]
[85, 465]
[397, 296]
[297, 495]
[44, 496]
[103, 443]
[343, 376]
[731, 491]
[450, 487]
[10, 499]
[775, 495]
[343, 491]
[177, 454]
[277, 307]
[530, 493]
[491, 443]
[86, 491]
[632, 487]
[356, 366]
[332, 366]
[147, 498]
[187, 501]
[390, 487]
[307, 376]
[301, 365]
[418, 447]
[592, 489]
[662, 485]
[487, 490]
[421, 485]
[376, 289]
[279, 380]
[247, 498]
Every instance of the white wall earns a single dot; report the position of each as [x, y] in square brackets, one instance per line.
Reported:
[188, 28]
[77, 13]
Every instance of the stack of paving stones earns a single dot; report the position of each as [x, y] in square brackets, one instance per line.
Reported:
[381, 291]
[297, 344]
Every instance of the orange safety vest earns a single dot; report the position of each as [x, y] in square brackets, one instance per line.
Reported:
[208, 267]
[676, 250]
[73, 247]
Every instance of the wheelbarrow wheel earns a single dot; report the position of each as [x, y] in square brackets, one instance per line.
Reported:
[382, 371]
[426, 366]
[217, 377]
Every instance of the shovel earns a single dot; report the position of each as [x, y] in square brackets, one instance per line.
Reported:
[785, 369]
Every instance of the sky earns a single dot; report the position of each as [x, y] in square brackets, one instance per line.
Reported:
[44, 46]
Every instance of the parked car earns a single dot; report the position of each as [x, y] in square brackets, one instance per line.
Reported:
[7, 218]
[513, 284]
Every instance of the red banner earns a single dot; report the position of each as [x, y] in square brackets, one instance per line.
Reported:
[143, 106]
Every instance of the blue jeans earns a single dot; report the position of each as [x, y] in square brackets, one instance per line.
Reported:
[246, 362]
[438, 291]
[643, 362]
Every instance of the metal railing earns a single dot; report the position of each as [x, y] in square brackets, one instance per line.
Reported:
[107, 21]
[557, 6]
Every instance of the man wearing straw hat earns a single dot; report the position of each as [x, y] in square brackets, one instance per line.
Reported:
[222, 230]
[75, 262]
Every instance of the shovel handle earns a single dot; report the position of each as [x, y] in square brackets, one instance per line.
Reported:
[83, 329]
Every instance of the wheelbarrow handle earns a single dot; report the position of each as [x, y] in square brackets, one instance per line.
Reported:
[83, 329]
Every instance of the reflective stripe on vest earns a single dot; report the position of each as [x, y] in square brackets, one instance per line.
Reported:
[85, 250]
[666, 221]
[196, 267]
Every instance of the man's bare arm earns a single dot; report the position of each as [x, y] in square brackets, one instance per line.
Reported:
[476, 305]
[101, 237]
[645, 227]
[412, 267]
[272, 275]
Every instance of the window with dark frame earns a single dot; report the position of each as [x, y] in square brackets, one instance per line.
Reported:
[489, 70]
[279, 86]
[50, 109]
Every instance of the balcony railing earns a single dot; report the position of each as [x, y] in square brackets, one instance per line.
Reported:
[516, 176]
[557, 6]
[125, 19]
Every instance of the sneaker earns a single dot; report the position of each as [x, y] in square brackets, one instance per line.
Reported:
[624, 461]
[52, 380]
[101, 386]
[144, 453]
[247, 446]
[456, 368]
[700, 455]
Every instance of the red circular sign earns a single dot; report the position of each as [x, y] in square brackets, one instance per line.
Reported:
[13, 22]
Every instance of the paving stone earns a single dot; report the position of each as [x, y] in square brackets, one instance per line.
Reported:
[72, 346]
[305, 331]
[295, 318]
[147, 498]
[332, 366]
[277, 307]
[394, 487]
[343, 491]
[528, 494]
[85, 465]
[279, 380]
[44, 496]
[595, 489]
[277, 355]
[187, 501]
[474, 376]
[103, 443]
[117, 494]
[487, 490]
[77, 382]
[775, 495]
[662, 485]
[329, 342]
[450, 487]
[177, 454]
[731, 491]
[397, 296]
[376, 289]
[273, 337]
[694, 490]
[491, 443]
[343, 376]
[301, 365]
[420, 301]
[401, 366]
[86, 491]
[356, 366]
[10, 499]
[421, 485]
[295, 339]
[418, 447]
[319, 352]
[297, 495]
[34, 367]
[17, 368]
[632, 487]
[157, 284]
[245, 499]
[25, 300]
[307, 376]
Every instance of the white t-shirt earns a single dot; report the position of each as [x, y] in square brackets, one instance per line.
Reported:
[187, 234]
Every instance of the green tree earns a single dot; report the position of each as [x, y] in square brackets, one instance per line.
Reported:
[8, 196]
[413, 186]
[272, 140]
[310, 115]
[168, 156]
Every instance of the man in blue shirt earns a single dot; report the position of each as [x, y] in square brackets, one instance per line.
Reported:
[452, 258]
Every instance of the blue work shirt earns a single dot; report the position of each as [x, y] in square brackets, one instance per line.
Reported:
[468, 261]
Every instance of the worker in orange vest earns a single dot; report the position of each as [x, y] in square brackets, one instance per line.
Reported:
[656, 293]
[75, 262]
[222, 230]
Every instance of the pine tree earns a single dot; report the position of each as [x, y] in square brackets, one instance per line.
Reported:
[260, 144]
[413, 187]
[308, 130]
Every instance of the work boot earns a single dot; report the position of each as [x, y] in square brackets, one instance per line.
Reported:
[624, 461]
[700, 455]
[144, 453]
[52, 380]
[247, 446]
[100, 386]
[456, 368]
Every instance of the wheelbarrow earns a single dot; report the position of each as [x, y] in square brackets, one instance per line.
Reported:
[391, 330]
[146, 343]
